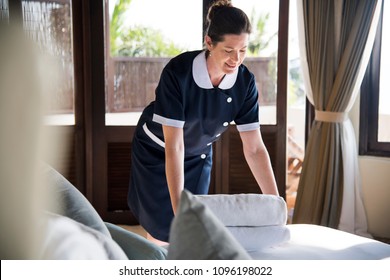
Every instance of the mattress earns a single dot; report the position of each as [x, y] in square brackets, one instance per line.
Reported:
[312, 242]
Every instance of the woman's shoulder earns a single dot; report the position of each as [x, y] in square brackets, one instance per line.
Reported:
[245, 73]
[182, 62]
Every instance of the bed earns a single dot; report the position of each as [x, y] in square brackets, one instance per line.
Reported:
[251, 226]
[311, 242]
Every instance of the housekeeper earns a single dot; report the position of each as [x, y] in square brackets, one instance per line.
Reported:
[199, 94]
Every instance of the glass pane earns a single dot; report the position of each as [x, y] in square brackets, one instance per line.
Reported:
[295, 113]
[4, 11]
[263, 50]
[384, 90]
[49, 24]
[140, 42]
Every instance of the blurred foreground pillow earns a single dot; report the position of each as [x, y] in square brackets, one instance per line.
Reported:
[196, 234]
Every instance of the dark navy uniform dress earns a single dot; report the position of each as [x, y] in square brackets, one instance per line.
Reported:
[185, 98]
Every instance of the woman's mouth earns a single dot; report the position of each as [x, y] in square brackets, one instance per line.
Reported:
[230, 66]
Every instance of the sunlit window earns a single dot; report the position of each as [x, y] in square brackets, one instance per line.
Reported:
[141, 36]
[296, 101]
[4, 11]
[374, 138]
[140, 41]
[49, 24]
[384, 88]
[262, 52]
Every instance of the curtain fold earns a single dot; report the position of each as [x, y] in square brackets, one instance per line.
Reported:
[336, 39]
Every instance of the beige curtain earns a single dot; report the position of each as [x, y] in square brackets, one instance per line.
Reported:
[336, 38]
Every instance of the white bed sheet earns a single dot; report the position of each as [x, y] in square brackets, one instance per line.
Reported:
[311, 242]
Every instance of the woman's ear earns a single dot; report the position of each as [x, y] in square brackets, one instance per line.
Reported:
[208, 42]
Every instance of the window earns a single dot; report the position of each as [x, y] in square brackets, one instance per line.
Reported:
[384, 86]
[262, 52]
[141, 37]
[140, 41]
[49, 24]
[296, 106]
[375, 94]
[4, 13]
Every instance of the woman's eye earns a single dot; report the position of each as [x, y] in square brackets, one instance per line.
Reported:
[243, 51]
[227, 51]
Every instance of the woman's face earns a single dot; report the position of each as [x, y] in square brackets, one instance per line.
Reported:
[228, 54]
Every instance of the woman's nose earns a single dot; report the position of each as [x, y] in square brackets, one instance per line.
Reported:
[235, 56]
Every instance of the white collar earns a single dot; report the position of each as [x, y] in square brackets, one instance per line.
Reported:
[202, 78]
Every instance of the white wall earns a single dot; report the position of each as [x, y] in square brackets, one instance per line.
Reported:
[375, 175]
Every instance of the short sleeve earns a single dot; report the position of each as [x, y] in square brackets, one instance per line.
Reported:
[169, 109]
[248, 117]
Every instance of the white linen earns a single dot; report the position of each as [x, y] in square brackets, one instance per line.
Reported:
[311, 242]
[258, 238]
[247, 210]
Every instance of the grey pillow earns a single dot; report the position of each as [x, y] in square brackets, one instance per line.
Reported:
[135, 246]
[68, 201]
[196, 234]
[66, 239]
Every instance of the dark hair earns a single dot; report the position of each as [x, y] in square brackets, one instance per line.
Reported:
[223, 18]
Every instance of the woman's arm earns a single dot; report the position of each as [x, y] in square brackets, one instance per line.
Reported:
[257, 157]
[174, 163]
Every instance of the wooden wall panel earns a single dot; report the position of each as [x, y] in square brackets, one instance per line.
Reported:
[69, 166]
[213, 182]
[62, 154]
[241, 179]
[118, 174]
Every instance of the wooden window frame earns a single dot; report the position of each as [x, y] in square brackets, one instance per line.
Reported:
[369, 104]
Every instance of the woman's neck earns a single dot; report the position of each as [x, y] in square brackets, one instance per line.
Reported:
[216, 76]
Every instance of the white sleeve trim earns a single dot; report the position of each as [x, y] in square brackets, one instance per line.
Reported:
[152, 136]
[248, 127]
[168, 122]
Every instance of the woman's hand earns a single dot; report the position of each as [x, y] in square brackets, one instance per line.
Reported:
[174, 163]
[257, 157]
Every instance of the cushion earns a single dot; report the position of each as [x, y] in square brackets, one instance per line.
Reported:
[247, 210]
[66, 239]
[196, 234]
[136, 247]
[70, 202]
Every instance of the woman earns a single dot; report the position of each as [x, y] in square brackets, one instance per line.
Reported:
[198, 95]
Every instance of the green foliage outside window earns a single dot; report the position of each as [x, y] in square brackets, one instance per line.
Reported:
[141, 41]
[137, 41]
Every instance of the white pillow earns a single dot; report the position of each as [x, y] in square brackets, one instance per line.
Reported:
[247, 210]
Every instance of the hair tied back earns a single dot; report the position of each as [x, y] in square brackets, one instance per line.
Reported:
[217, 6]
[223, 19]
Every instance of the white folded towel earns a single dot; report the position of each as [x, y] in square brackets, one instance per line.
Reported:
[247, 210]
